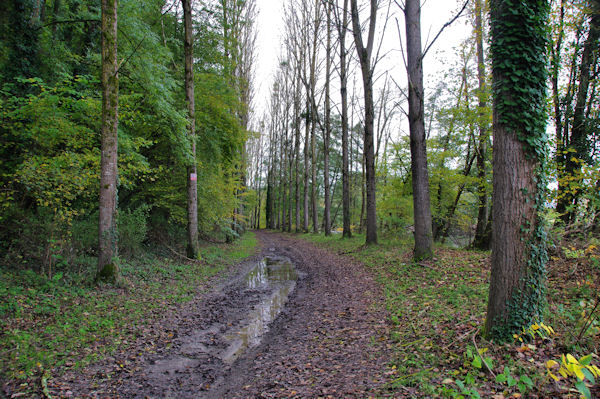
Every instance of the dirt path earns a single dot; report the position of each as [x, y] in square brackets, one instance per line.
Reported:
[329, 340]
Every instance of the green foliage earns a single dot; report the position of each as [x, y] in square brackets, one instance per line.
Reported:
[519, 52]
[580, 372]
[132, 228]
[52, 322]
[50, 111]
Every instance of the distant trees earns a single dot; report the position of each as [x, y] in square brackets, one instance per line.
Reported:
[482, 233]
[575, 108]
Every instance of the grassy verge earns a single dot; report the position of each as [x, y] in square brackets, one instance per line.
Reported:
[437, 309]
[66, 321]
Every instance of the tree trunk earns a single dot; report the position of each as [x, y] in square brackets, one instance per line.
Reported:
[480, 241]
[282, 173]
[192, 172]
[313, 117]
[107, 227]
[347, 231]
[418, 145]
[327, 211]
[55, 15]
[297, 147]
[290, 185]
[269, 201]
[306, 146]
[363, 201]
[364, 56]
[517, 282]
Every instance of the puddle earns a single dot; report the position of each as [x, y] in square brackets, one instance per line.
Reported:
[278, 277]
[271, 271]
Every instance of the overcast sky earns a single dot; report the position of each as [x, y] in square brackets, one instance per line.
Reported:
[433, 16]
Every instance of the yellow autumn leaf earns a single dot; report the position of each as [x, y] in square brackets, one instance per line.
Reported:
[551, 363]
[578, 372]
[555, 378]
[563, 372]
[595, 370]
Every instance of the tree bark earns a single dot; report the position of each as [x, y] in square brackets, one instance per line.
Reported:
[297, 146]
[107, 227]
[306, 146]
[313, 117]
[364, 56]
[327, 210]
[347, 230]
[192, 172]
[518, 250]
[313, 180]
[418, 145]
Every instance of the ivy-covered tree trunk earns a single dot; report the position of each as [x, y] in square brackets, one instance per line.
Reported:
[418, 146]
[192, 173]
[519, 59]
[107, 227]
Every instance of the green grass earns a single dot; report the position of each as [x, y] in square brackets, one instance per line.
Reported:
[429, 303]
[437, 308]
[67, 321]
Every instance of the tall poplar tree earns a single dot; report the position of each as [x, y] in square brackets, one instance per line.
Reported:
[418, 146]
[365, 53]
[192, 173]
[107, 227]
[326, 137]
[342, 26]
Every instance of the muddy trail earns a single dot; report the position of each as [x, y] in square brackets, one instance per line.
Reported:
[292, 321]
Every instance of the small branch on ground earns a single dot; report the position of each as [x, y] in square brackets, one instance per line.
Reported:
[183, 256]
[479, 354]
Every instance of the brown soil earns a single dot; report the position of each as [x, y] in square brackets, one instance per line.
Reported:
[329, 341]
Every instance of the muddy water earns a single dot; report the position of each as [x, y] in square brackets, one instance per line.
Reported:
[239, 316]
[277, 277]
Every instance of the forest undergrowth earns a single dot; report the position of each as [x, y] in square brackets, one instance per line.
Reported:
[437, 310]
[52, 324]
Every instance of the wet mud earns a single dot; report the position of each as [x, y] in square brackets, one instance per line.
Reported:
[292, 321]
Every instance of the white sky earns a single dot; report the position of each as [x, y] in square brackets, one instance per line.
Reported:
[434, 14]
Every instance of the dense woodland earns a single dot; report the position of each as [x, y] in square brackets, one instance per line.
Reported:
[132, 127]
[52, 120]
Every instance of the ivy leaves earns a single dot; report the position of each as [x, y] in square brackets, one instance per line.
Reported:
[519, 44]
